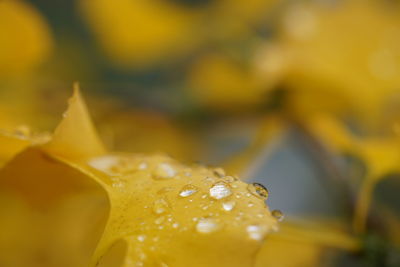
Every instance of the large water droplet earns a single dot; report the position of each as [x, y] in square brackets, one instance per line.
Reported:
[160, 206]
[220, 190]
[188, 190]
[206, 225]
[229, 205]
[278, 215]
[258, 190]
[164, 171]
[256, 232]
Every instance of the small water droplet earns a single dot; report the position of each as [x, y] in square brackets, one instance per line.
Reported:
[206, 225]
[256, 232]
[159, 220]
[141, 238]
[160, 206]
[277, 214]
[219, 172]
[258, 190]
[119, 185]
[142, 166]
[22, 132]
[105, 164]
[188, 190]
[220, 190]
[164, 171]
[229, 205]
[175, 225]
[251, 204]
[229, 179]
[164, 190]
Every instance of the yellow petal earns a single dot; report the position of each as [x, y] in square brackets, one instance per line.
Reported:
[381, 156]
[88, 208]
[76, 137]
[168, 213]
[51, 214]
[306, 242]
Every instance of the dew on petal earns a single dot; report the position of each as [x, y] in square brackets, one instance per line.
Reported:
[277, 214]
[256, 232]
[219, 172]
[105, 164]
[230, 179]
[160, 206]
[188, 190]
[142, 166]
[220, 190]
[164, 171]
[206, 226]
[141, 238]
[258, 190]
[229, 205]
[159, 220]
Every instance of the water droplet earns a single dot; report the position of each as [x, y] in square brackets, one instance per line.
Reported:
[219, 172]
[206, 225]
[22, 132]
[278, 215]
[142, 166]
[164, 190]
[159, 220]
[188, 190]
[105, 164]
[119, 185]
[175, 225]
[229, 205]
[160, 206]
[220, 190]
[251, 204]
[229, 179]
[258, 190]
[164, 171]
[141, 238]
[256, 232]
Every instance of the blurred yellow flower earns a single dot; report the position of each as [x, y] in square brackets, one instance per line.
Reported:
[341, 58]
[223, 84]
[25, 39]
[70, 202]
[142, 33]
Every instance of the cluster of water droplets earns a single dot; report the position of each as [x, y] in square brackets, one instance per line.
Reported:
[213, 198]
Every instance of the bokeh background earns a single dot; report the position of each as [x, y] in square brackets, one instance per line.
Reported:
[242, 84]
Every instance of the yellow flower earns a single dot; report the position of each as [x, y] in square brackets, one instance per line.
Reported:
[223, 84]
[25, 39]
[343, 58]
[142, 33]
[70, 202]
